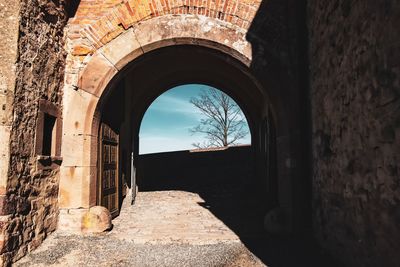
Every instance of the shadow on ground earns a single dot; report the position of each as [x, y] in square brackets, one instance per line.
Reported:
[232, 194]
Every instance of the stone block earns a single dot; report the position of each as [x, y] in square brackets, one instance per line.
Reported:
[122, 49]
[74, 120]
[36, 242]
[70, 220]
[6, 206]
[96, 220]
[4, 222]
[81, 50]
[50, 224]
[96, 75]
[4, 153]
[192, 29]
[21, 252]
[77, 149]
[75, 186]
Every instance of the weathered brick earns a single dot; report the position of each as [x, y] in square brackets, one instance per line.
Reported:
[106, 25]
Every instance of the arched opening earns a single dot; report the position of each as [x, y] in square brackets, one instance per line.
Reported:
[193, 117]
[221, 179]
[126, 100]
[233, 184]
[119, 82]
[239, 52]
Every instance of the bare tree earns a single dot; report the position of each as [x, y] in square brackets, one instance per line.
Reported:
[224, 123]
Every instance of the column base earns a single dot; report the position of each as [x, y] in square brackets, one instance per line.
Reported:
[71, 220]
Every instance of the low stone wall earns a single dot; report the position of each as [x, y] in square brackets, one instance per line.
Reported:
[196, 170]
[355, 95]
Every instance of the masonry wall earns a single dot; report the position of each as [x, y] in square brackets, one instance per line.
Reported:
[9, 23]
[355, 92]
[29, 209]
[198, 171]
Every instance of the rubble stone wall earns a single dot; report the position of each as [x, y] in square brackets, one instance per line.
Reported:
[355, 92]
[30, 207]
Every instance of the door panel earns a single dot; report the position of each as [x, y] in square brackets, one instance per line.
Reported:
[109, 168]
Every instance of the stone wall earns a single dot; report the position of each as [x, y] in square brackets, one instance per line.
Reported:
[197, 169]
[9, 14]
[30, 207]
[355, 92]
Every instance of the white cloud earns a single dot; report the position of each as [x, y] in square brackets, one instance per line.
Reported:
[175, 105]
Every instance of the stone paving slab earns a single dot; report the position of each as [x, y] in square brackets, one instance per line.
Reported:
[164, 217]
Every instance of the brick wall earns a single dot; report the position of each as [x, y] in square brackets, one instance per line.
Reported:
[91, 10]
[97, 26]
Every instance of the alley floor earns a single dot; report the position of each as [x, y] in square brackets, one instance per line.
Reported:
[174, 228]
[163, 228]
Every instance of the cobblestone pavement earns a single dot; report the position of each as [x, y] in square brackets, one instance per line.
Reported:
[168, 217]
[163, 228]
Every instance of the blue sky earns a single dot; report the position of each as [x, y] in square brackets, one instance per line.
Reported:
[166, 123]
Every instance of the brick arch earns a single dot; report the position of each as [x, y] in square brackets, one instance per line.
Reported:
[111, 18]
[94, 61]
[87, 77]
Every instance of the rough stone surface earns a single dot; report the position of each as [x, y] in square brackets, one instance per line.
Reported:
[177, 228]
[164, 217]
[32, 191]
[9, 11]
[164, 228]
[355, 94]
[355, 99]
[97, 220]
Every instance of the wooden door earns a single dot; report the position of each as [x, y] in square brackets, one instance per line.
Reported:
[109, 169]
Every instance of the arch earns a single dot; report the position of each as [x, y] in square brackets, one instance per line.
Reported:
[91, 77]
[107, 25]
[86, 85]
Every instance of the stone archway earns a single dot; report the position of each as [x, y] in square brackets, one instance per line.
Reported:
[191, 64]
[96, 63]
[100, 71]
